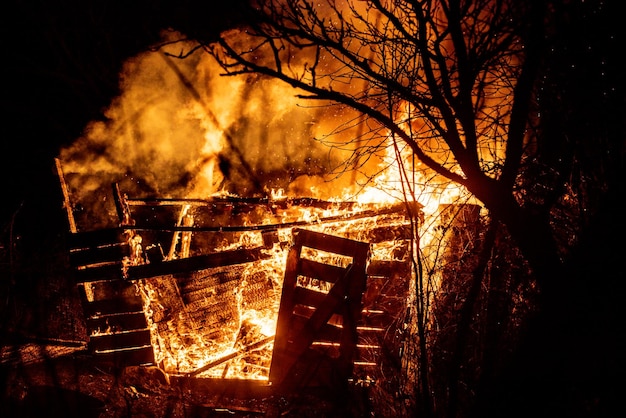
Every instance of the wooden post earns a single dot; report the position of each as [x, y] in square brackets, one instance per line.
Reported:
[66, 197]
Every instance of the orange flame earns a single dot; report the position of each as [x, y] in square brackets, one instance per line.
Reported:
[165, 137]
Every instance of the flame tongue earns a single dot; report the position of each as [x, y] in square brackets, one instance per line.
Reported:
[220, 322]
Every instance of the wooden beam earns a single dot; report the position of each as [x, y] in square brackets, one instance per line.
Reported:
[344, 217]
[67, 203]
[121, 340]
[129, 357]
[201, 262]
[243, 351]
[126, 321]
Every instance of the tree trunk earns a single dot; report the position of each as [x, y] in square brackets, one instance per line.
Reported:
[570, 351]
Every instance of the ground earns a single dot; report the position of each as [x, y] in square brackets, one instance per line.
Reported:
[60, 380]
[47, 370]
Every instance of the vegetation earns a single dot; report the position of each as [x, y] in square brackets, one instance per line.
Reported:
[508, 100]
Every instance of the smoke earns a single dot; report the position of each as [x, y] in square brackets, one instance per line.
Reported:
[181, 129]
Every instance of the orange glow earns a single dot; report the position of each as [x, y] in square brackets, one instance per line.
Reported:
[164, 138]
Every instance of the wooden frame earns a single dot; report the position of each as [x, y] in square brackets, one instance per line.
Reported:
[316, 330]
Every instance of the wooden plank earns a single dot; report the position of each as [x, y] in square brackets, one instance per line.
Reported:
[305, 312]
[369, 355]
[351, 313]
[146, 225]
[269, 238]
[320, 271]
[116, 341]
[67, 204]
[111, 271]
[113, 289]
[131, 357]
[287, 301]
[96, 238]
[107, 307]
[329, 334]
[120, 322]
[123, 209]
[96, 255]
[330, 243]
[307, 297]
[196, 263]
[240, 352]
[379, 320]
[370, 335]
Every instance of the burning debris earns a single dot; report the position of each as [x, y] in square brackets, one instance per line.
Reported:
[288, 292]
[209, 268]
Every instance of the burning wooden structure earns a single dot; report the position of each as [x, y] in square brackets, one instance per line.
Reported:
[287, 293]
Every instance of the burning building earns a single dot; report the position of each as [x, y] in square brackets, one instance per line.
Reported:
[278, 292]
[207, 241]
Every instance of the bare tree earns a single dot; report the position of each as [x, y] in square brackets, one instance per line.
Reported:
[467, 86]
[452, 80]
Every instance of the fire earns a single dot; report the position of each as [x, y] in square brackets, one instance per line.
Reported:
[240, 348]
[162, 138]
[237, 339]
